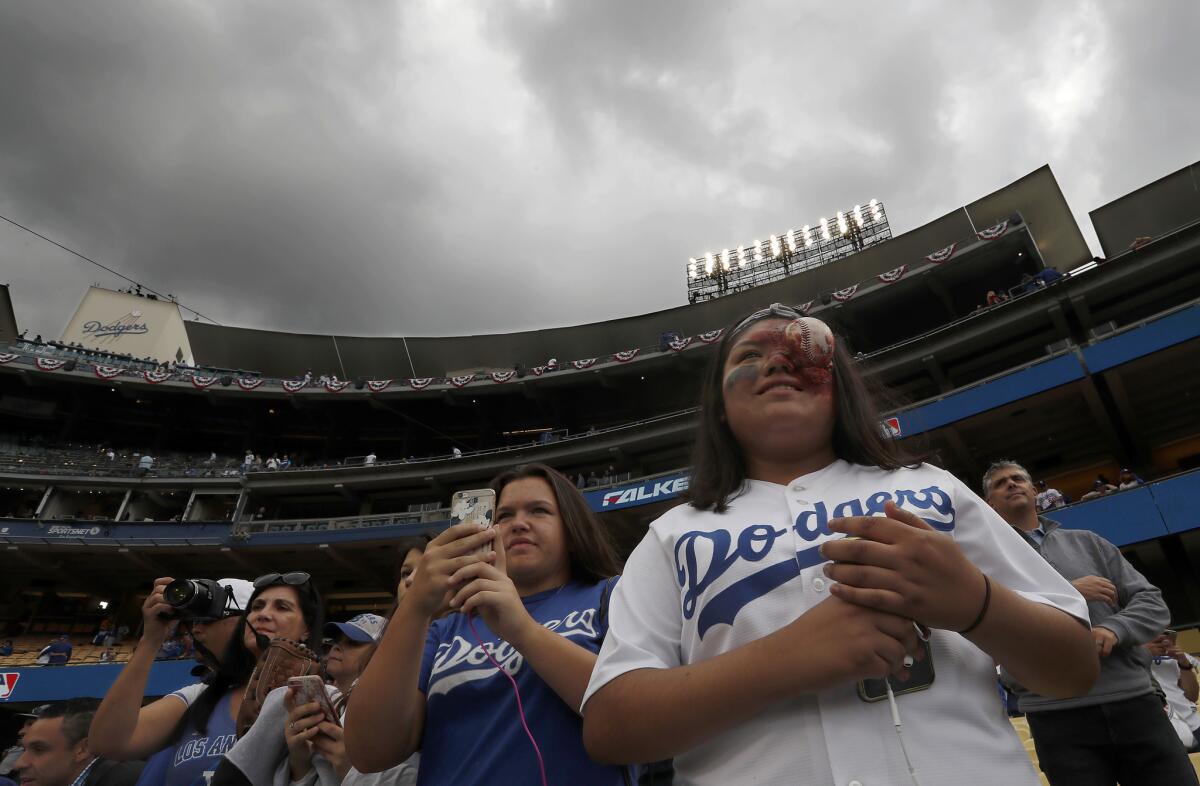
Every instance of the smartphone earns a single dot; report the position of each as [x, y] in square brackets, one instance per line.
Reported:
[311, 688]
[476, 506]
[920, 677]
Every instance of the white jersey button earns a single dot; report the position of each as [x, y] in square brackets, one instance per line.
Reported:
[818, 584]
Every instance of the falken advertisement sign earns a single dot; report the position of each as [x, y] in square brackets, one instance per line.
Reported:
[643, 493]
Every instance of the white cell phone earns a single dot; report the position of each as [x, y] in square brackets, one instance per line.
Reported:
[476, 506]
[310, 688]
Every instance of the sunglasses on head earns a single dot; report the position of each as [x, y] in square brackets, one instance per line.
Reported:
[294, 579]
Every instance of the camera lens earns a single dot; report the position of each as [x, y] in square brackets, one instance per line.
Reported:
[179, 592]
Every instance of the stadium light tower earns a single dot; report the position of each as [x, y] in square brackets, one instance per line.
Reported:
[718, 273]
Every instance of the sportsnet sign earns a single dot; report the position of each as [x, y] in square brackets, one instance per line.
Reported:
[654, 490]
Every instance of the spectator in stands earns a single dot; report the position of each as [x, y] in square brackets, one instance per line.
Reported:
[1127, 480]
[198, 718]
[8, 760]
[285, 462]
[1099, 489]
[273, 463]
[145, 464]
[1175, 672]
[455, 452]
[1048, 276]
[108, 656]
[57, 652]
[57, 752]
[409, 551]
[370, 459]
[1118, 731]
[735, 647]
[537, 603]
[6, 648]
[994, 298]
[102, 633]
[1048, 498]
[592, 479]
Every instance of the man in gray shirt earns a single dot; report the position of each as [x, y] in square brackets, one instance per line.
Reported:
[1119, 731]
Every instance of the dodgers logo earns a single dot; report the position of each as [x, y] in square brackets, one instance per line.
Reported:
[460, 661]
[703, 557]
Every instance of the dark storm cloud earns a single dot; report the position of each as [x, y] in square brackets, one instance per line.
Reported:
[426, 168]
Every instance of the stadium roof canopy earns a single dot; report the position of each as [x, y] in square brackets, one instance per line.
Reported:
[1036, 197]
[1154, 209]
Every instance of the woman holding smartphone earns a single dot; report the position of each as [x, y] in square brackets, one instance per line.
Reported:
[527, 596]
[746, 620]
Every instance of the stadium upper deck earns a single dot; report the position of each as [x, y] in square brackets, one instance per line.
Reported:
[1093, 371]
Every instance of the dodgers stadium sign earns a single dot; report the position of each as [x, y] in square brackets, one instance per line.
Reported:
[654, 490]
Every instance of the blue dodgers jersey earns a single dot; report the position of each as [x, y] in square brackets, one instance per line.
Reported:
[473, 731]
[194, 759]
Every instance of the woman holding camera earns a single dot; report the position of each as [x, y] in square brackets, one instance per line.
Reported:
[530, 592]
[199, 719]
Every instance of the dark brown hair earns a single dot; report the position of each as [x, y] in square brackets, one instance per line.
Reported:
[589, 549]
[718, 464]
[405, 545]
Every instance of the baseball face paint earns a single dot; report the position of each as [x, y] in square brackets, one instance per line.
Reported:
[804, 345]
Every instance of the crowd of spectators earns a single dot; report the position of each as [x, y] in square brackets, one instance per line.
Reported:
[1028, 283]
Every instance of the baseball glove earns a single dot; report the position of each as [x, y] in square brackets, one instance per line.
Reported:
[283, 659]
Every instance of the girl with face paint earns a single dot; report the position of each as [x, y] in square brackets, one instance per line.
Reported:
[745, 620]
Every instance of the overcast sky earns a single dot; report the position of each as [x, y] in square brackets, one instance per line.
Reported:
[426, 168]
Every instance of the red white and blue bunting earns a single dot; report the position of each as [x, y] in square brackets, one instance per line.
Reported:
[842, 295]
[334, 386]
[293, 385]
[248, 383]
[993, 232]
[585, 363]
[203, 381]
[537, 371]
[711, 336]
[107, 372]
[49, 364]
[500, 377]
[464, 380]
[893, 275]
[156, 377]
[941, 255]
[378, 385]
[420, 383]
[804, 308]
[679, 344]
[6, 357]
[626, 355]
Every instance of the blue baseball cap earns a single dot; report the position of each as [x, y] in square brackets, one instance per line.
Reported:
[364, 628]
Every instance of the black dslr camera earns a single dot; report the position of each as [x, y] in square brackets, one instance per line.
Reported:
[196, 598]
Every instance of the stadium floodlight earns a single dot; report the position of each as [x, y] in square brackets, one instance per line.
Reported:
[725, 271]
